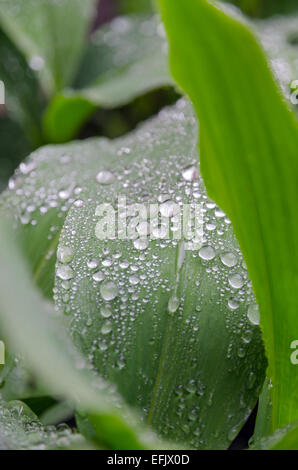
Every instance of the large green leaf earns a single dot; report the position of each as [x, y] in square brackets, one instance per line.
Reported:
[125, 59]
[20, 429]
[22, 97]
[133, 307]
[210, 329]
[51, 34]
[34, 329]
[248, 140]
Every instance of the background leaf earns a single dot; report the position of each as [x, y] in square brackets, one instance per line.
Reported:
[249, 162]
[22, 94]
[125, 59]
[14, 147]
[50, 34]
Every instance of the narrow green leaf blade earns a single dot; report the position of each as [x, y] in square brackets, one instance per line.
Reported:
[249, 142]
[33, 327]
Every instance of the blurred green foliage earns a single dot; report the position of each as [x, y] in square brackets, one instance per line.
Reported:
[134, 6]
[263, 8]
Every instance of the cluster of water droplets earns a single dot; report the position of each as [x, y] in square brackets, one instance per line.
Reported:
[21, 430]
[109, 288]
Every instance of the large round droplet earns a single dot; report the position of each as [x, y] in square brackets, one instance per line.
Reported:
[229, 259]
[109, 290]
[207, 253]
[65, 254]
[65, 272]
[236, 281]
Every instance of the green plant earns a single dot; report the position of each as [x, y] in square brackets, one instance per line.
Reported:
[154, 343]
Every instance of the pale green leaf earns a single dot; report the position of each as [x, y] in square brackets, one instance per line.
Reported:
[210, 329]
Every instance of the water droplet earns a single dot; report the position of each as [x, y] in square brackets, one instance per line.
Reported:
[92, 263]
[236, 281]
[253, 314]
[36, 62]
[207, 253]
[105, 177]
[169, 209]
[106, 328]
[190, 173]
[134, 280]
[233, 304]
[65, 272]
[173, 304]
[105, 312]
[141, 243]
[229, 259]
[109, 290]
[65, 254]
[98, 276]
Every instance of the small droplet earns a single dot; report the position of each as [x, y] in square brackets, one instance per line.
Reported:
[233, 304]
[92, 263]
[106, 328]
[105, 177]
[141, 243]
[98, 276]
[105, 312]
[134, 280]
[173, 304]
[190, 173]
[169, 209]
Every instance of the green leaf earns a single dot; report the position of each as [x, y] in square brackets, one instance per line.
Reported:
[51, 34]
[156, 334]
[249, 140]
[34, 328]
[20, 429]
[22, 97]
[285, 438]
[124, 60]
[218, 336]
